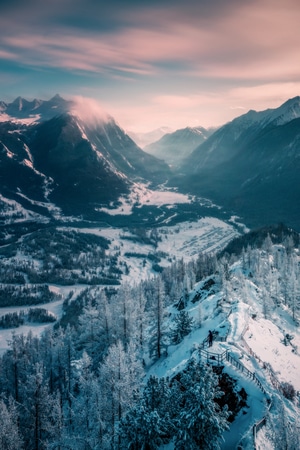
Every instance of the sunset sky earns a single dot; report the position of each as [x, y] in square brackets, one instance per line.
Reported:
[153, 63]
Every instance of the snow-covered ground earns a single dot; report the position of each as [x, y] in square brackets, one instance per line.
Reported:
[54, 307]
[141, 195]
[185, 240]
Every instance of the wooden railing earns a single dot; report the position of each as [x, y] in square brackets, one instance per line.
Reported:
[213, 358]
[255, 429]
[219, 358]
[244, 370]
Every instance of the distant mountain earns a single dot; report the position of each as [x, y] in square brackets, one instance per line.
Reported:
[175, 147]
[143, 139]
[251, 165]
[37, 110]
[68, 164]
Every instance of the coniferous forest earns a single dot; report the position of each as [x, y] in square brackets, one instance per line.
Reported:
[83, 383]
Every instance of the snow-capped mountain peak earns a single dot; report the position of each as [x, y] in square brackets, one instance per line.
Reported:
[277, 116]
[290, 110]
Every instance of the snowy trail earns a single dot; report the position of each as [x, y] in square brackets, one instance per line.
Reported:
[247, 416]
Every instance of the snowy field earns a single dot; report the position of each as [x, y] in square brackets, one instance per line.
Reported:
[256, 341]
[142, 195]
[36, 329]
[186, 240]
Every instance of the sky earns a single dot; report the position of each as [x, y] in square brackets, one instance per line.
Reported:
[153, 63]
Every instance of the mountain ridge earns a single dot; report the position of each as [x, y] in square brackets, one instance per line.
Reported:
[176, 146]
[251, 166]
[76, 165]
[38, 110]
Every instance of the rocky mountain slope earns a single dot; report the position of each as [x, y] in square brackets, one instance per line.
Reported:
[68, 163]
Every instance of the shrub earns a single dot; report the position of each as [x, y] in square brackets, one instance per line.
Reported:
[288, 390]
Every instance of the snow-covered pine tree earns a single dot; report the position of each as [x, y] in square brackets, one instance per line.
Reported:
[10, 438]
[158, 313]
[183, 325]
[200, 422]
[124, 315]
[41, 412]
[120, 377]
[150, 423]
[95, 327]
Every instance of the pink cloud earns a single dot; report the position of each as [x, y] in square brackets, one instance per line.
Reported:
[252, 44]
[250, 39]
[89, 110]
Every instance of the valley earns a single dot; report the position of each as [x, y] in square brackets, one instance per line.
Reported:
[108, 255]
[114, 266]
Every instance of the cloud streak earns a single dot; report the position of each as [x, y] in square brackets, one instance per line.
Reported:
[207, 50]
[248, 39]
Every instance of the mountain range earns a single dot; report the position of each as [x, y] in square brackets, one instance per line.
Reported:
[145, 297]
[37, 110]
[251, 166]
[175, 147]
[53, 159]
[146, 138]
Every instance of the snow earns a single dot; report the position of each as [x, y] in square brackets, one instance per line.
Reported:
[179, 354]
[56, 211]
[266, 340]
[254, 341]
[14, 212]
[26, 121]
[141, 195]
[54, 307]
[185, 240]
[207, 235]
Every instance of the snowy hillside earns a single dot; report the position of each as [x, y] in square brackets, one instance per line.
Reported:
[256, 339]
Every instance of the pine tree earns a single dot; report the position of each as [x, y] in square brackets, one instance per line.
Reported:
[10, 438]
[95, 328]
[41, 412]
[183, 326]
[141, 315]
[120, 376]
[124, 315]
[200, 422]
[158, 332]
[149, 424]
[88, 409]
